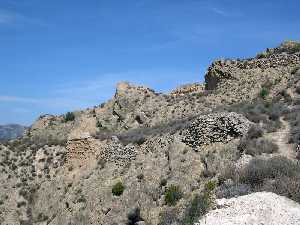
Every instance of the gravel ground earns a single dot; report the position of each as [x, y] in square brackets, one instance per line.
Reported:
[261, 208]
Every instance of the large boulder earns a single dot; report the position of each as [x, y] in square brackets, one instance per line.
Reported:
[216, 127]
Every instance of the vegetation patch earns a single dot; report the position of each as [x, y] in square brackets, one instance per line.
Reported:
[254, 144]
[70, 116]
[264, 92]
[200, 204]
[172, 195]
[118, 189]
[278, 174]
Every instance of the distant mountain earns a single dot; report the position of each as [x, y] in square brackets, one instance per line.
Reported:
[11, 131]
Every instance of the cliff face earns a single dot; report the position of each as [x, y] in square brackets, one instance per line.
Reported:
[163, 148]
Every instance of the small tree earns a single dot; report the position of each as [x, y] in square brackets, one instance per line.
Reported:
[70, 116]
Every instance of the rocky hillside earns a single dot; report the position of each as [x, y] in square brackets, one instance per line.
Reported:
[147, 158]
[11, 131]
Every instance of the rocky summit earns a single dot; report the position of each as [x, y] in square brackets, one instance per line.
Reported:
[148, 158]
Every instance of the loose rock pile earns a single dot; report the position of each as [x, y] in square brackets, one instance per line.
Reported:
[117, 153]
[217, 127]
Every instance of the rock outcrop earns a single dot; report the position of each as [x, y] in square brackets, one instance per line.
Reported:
[188, 89]
[230, 69]
[217, 127]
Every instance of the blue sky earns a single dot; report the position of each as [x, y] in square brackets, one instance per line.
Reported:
[63, 55]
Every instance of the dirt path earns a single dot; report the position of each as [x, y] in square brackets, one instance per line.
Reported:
[281, 138]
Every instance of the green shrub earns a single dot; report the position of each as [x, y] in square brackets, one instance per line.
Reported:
[262, 55]
[200, 204]
[198, 207]
[118, 189]
[98, 124]
[172, 195]
[264, 93]
[70, 116]
[210, 186]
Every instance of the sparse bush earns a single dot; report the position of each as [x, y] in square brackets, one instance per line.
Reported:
[198, 207]
[255, 131]
[41, 217]
[267, 112]
[210, 186]
[168, 217]
[260, 169]
[98, 124]
[287, 186]
[262, 55]
[200, 204]
[118, 189]
[172, 195]
[294, 120]
[278, 174]
[257, 146]
[232, 190]
[70, 116]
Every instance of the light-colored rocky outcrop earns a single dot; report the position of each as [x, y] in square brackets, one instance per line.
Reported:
[257, 208]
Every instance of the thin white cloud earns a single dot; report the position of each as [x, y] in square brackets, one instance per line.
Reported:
[219, 11]
[17, 99]
[14, 18]
[7, 17]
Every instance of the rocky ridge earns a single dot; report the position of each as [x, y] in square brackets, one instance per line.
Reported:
[63, 171]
